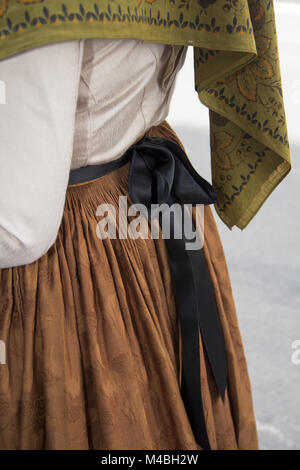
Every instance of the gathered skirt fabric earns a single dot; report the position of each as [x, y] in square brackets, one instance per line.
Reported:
[93, 340]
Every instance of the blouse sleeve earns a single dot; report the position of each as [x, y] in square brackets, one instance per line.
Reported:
[37, 115]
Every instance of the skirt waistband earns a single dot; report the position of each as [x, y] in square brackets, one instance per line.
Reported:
[91, 172]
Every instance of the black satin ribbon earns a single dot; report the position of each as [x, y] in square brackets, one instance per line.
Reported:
[160, 172]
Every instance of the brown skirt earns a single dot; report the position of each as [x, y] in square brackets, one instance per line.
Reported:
[93, 343]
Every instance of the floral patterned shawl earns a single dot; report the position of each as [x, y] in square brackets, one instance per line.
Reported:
[237, 75]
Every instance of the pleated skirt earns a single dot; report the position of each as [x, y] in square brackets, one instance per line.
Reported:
[93, 344]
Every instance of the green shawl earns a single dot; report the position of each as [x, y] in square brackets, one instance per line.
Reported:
[237, 75]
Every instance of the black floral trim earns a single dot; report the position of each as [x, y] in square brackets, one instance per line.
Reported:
[242, 111]
[203, 55]
[129, 15]
[244, 181]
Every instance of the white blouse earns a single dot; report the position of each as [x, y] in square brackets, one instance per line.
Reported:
[120, 96]
[67, 105]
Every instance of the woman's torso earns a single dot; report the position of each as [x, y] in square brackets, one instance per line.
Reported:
[126, 87]
[71, 104]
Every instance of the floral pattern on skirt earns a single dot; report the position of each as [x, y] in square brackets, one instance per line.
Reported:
[93, 343]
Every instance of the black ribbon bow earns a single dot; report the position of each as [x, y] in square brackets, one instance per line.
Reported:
[160, 172]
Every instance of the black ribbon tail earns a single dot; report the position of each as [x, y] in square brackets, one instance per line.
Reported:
[211, 331]
[185, 295]
[197, 307]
